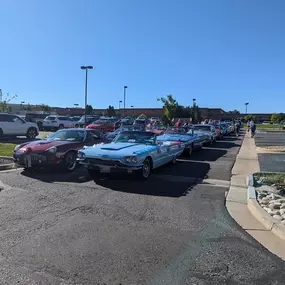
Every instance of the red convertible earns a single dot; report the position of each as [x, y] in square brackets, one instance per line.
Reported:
[102, 125]
[59, 149]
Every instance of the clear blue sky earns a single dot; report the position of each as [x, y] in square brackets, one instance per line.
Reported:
[221, 52]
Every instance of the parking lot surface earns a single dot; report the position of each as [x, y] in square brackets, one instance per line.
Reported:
[270, 138]
[271, 162]
[62, 228]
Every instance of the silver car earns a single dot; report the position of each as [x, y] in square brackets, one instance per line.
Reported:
[208, 130]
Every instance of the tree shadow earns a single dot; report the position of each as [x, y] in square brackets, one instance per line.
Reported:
[205, 154]
[17, 140]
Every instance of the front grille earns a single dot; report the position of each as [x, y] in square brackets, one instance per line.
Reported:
[37, 157]
[103, 162]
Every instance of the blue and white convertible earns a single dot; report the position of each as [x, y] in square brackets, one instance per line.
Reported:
[189, 139]
[131, 151]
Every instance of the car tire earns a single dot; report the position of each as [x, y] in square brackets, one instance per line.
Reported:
[76, 126]
[40, 125]
[31, 133]
[70, 161]
[190, 150]
[144, 173]
[61, 126]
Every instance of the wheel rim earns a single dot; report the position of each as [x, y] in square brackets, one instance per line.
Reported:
[146, 169]
[70, 161]
[32, 134]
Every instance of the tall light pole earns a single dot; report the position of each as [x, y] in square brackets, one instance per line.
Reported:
[86, 79]
[76, 105]
[246, 104]
[120, 104]
[133, 110]
[125, 88]
[193, 119]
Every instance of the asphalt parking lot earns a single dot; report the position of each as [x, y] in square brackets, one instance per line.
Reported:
[63, 228]
[271, 162]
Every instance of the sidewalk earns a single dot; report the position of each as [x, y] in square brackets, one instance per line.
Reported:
[236, 200]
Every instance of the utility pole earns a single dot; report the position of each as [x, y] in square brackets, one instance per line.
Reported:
[125, 88]
[246, 104]
[86, 79]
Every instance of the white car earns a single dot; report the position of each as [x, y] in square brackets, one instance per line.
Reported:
[13, 125]
[58, 122]
[154, 119]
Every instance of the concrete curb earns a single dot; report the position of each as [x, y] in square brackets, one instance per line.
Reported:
[271, 224]
[7, 166]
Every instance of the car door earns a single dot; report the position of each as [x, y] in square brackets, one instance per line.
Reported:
[17, 126]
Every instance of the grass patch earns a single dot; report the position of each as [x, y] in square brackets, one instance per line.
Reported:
[271, 178]
[7, 149]
[268, 127]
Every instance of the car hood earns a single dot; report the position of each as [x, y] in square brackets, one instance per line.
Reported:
[176, 137]
[43, 145]
[202, 132]
[117, 150]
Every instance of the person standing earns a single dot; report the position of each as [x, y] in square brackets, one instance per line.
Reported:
[252, 128]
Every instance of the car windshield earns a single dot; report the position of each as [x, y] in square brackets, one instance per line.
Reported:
[202, 128]
[100, 122]
[139, 121]
[50, 118]
[136, 137]
[67, 135]
[175, 131]
[130, 128]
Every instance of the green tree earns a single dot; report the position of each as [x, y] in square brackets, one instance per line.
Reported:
[249, 118]
[29, 107]
[89, 109]
[5, 101]
[235, 112]
[277, 118]
[111, 111]
[45, 108]
[170, 107]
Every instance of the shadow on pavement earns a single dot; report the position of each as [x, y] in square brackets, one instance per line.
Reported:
[57, 175]
[223, 144]
[170, 180]
[17, 140]
[208, 154]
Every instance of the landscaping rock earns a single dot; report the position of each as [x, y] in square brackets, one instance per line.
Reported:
[277, 217]
[283, 222]
[282, 211]
[282, 206]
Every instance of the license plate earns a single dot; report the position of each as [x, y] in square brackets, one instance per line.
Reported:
[105, 169]
[28, 160]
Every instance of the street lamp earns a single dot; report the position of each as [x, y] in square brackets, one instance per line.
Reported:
[76, 105]
[23, 102]
[86, 79]
[133, 110]
[120, 104]
[246, 104]
[125, 88]
[194, 100]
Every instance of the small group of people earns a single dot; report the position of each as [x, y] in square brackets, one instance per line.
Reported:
[251, 127]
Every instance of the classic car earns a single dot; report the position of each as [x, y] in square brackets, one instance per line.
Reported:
[59, 149]
[102, 125]
[131, 151]
[189, 139]
[110, 136]
[208, 130]
[157, 129]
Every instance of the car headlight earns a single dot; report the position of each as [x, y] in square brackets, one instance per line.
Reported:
[52, 149]
[131, 159]
[81, 155]
[17, 147]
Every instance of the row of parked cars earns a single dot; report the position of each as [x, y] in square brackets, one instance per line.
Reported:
[130, 149]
